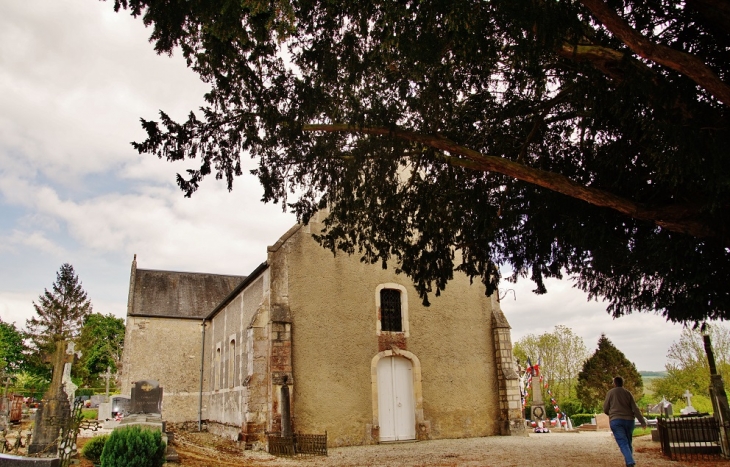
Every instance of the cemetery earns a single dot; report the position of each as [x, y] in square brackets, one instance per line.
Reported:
[53, 434]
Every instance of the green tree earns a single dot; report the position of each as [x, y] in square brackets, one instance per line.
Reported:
[596, 377]
[31, 384]
[562, 353]
[566, 136]
[687, 367]
[60, 313]
[101, 343]
[12, 349]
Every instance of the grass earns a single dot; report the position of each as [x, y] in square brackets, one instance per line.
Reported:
[90, 414]
[638, 431]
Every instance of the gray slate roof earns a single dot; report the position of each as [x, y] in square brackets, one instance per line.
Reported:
[170, 294]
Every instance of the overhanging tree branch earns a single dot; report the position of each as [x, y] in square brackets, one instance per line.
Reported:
[684, 63]
[677, 218]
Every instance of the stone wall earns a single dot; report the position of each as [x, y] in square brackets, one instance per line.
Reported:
[332, 304]
[166, 350]
[233, 371]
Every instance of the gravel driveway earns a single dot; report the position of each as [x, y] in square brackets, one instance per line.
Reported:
[556, 449]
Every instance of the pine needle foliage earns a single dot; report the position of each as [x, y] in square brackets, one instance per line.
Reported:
[537, 137]
[133, 447]
[596, 377]
[60, 311]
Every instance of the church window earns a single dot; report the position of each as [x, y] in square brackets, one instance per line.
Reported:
[391, 309]
[391, 318]
[217, 369]
[232, 363]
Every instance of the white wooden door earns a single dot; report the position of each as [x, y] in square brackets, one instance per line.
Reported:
[396, 407]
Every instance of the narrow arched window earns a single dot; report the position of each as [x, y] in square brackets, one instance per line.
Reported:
[231, 363]
[217, 369]
[391, 318]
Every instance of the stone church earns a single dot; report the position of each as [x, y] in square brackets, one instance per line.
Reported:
[362, 358]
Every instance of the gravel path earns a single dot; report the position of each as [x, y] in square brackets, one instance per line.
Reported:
[556, 449]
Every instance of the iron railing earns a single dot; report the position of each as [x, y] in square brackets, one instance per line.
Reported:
[690, 438]
[298, 444]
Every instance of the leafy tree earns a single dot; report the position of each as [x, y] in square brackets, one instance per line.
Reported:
[60, 312]
[569, 136]
[12, 348]
[562, 353]
[596, 377]
[101, 343]
[31, 384]
[687, 367]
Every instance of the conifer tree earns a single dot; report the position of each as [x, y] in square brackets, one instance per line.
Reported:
[60, 311]
[572, 136]
[596, 378]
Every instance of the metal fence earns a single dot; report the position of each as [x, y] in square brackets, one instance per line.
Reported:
[690, 438]
[298, 444]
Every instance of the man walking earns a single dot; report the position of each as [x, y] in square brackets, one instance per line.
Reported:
[621, 409]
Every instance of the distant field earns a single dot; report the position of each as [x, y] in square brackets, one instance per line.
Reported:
[647, 377]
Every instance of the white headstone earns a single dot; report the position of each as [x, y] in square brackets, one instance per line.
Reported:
[689, 409]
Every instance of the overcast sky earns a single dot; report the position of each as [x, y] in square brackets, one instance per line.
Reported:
[75, 78]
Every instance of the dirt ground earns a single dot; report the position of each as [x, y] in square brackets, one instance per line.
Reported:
[556, 449]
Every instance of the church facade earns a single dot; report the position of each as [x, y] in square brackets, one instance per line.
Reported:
[362, 359]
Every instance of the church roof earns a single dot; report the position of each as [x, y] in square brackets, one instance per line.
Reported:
[170, 294]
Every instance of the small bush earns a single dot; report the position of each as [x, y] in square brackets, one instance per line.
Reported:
[93, 448]
[580, 418]
[133, 447]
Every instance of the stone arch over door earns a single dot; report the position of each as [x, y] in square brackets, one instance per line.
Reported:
[422, 427]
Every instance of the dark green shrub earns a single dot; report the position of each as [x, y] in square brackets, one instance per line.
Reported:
[571, 406]
[133, 447]
[93, 448]
[580, 418]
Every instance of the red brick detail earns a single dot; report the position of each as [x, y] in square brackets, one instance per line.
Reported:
[252, 433]
[388, 340]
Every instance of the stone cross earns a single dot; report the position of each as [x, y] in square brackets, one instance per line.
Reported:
[55, 409]
[688, 395]
[68, 361]
[60, 358]
[107, 375]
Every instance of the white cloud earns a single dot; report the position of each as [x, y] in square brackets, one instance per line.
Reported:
[643, 337]
[76, 78]
[75, 88]
[16, 307]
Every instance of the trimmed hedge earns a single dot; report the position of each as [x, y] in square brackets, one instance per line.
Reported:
[580, 418]
[94, 447]
[133, 447]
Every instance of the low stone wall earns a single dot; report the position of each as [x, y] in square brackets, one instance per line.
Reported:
[7, 460]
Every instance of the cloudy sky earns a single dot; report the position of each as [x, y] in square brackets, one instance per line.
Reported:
[75, 78]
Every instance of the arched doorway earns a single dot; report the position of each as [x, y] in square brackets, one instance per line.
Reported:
[396, 402]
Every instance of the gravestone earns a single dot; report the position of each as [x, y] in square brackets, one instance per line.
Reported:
[146, 397]
[121, 404]
[104, 411]
[689, 409]
[97, 399]
[54, 410]
[146, 407]
[602, 422]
